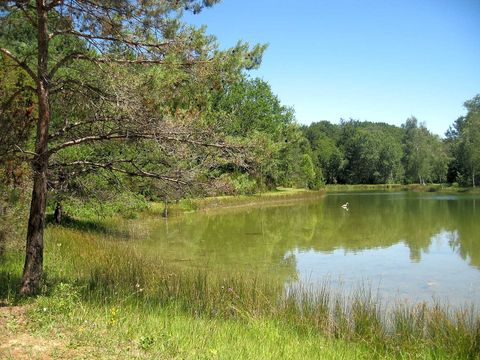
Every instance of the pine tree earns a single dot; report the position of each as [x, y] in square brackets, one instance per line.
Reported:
[72, 33]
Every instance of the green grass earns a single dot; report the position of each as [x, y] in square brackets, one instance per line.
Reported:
[102, 300]
[145, 331]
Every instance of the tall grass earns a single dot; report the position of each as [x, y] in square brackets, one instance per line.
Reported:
[397, 327]
[101, 272]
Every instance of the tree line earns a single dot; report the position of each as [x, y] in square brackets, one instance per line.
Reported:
[99, 99]
[355, 152]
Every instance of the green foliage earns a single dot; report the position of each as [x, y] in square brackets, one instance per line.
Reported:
[417, 152]
[243, 185]
[251, 106]
[294, 168]
[464, 145]
[13, 204]
[16, 110]
[63, 300]
[326, 155]
[111, 123]
[308, 172]
[356, 152]
[105, 203]
[146, 342]
[254, 114]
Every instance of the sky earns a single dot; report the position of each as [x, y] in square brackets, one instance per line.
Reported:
[375, 60]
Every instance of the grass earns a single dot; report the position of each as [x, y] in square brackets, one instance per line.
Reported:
[169, 333]
[102, 300]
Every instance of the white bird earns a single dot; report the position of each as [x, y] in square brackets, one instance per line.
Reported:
[345, 206]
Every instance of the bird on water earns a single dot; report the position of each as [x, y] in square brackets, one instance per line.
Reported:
[345, 206]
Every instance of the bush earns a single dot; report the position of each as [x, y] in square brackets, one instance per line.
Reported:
[127, 204]
[237, 184]
[244, 185]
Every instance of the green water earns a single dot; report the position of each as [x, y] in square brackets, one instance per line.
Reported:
[402, 245]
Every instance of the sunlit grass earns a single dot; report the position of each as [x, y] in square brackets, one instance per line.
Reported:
[127, 330]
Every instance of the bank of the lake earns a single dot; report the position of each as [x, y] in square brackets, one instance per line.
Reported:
[274, 197]
[289, 195]
[102, 298]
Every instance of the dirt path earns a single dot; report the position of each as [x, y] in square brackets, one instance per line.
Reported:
[17, 341]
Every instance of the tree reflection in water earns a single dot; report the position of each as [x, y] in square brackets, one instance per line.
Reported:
[393, 238]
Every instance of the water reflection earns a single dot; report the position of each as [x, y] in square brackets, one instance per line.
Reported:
[413, 245]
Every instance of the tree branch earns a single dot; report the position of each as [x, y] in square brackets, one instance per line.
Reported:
[139, 172]
[68, 127]
[26, 152]
[123, 40]
[22, 64]
[106, 60]
[59, 86]
[158, 137]
[93, 138]
[27, 15]
[53, 4]
[9, 101]
[62, 62]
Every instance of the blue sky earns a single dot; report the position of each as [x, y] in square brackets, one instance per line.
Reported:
[376, 60]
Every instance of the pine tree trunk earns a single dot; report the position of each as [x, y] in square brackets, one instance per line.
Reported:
[58, 214]
[33, 268]
[473, 177]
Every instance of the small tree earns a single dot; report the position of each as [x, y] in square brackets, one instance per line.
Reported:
[308, 171]
[464, 139]
[423, 153]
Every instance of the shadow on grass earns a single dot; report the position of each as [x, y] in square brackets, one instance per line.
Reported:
[9, 287]
[10, 283]
[87, 226]
[3, 242]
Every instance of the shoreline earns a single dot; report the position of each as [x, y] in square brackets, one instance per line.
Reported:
[291, 195]
[271, 198]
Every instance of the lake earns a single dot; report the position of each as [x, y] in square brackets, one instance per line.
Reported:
[404, 245]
